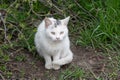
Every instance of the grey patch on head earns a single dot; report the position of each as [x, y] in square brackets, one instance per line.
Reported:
[58, 22]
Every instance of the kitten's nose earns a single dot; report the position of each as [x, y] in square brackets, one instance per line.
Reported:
[57, 38]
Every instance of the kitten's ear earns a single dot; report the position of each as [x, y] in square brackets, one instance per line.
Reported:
[65, 21]
[47, 22]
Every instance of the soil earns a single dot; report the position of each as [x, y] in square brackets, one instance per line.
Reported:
[33, 67]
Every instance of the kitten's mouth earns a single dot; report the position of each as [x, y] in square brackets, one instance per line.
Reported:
[57, 40]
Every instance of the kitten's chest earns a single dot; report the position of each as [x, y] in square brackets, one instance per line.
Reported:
[53, 49]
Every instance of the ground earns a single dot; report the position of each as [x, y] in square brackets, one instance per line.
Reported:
[31, 67]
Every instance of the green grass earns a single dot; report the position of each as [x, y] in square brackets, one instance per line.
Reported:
[20, 58]
[74, 74]
[105, 33]
[94, 23]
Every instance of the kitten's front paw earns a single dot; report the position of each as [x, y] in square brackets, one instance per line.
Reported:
[56, 67]
[48, 66]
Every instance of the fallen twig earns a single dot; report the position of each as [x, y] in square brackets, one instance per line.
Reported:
[2, 76]
[5, 29]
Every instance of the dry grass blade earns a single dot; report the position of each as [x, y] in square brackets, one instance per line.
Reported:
[2, 77]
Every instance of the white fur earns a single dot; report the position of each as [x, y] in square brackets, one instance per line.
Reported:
[49, 46]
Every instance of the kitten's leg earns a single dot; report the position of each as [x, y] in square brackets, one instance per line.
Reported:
[48, 62]
[55, 58]
[65, 59]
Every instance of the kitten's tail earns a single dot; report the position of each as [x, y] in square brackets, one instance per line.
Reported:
[64, 60]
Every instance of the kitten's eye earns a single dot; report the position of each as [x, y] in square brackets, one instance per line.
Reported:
[53, 33]
[61, 32]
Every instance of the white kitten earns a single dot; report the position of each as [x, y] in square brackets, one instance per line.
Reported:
[52, 42]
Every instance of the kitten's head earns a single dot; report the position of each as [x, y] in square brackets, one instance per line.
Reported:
[56, 30]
